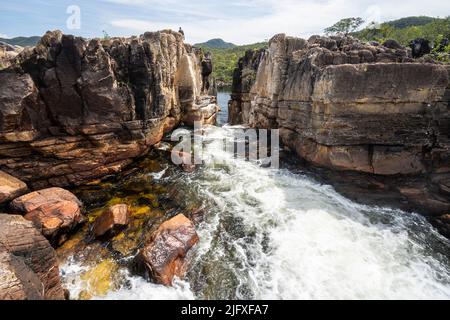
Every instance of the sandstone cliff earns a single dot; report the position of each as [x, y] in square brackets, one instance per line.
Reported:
[72, 110]
[350, 106]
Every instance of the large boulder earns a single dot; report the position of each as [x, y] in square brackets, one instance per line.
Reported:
[112, 220]
[55, 210]
[10, 187]
[28, 265]
[165, 252]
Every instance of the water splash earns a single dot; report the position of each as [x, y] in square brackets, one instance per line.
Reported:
[273, 234]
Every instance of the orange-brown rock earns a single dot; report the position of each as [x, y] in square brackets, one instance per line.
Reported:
[112, 220]
[28, 265]
[10, 187]
[55, 210]
[164, 254]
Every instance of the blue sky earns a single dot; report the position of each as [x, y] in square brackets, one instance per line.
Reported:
[236, 21]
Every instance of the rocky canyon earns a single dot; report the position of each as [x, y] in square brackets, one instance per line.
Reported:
[94, 207]
[351, 106]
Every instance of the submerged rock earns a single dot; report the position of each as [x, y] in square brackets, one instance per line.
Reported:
[164, 255]
[28, 265]
[10, 187]
[98, 281]
[56, 210]
[112, 221]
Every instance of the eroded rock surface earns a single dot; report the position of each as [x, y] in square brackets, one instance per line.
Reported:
[73, 110]
[351, 106]
[10, 187]
[7, 54]
[55, 210]
[28, 265]
[164, 254]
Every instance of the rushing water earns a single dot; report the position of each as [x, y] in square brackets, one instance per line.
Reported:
[275, 234]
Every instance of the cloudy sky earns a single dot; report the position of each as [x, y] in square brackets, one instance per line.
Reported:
[236, 21]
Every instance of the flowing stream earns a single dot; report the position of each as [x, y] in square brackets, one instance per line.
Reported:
[276, 234]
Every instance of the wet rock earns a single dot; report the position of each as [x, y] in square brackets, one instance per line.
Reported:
[28, 264]
[55, 210]
[443, 224]
[99, 280]
[113, 220]
[10, 187]
[164, 254]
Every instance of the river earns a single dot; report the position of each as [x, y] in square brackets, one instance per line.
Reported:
[279, 234]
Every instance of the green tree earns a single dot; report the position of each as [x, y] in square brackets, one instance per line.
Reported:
[345, 26]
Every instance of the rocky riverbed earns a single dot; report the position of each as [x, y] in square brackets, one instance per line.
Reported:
[94, 208]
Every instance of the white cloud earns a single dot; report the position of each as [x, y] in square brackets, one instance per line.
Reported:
[4, 36]
[256, 20]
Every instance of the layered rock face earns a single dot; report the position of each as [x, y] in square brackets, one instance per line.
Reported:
[28, 265]
[346, 105]
[72, 110]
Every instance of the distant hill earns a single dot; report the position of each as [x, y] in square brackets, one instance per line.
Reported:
[22, 41]
[225, 61]
[216, 44]
[406, 29]
[411, 21]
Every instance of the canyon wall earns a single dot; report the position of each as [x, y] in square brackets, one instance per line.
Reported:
[72, 110]
[351, 106]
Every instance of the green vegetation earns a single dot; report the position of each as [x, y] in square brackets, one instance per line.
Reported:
[345, 26]
[22, 41]
[410, 21]
[216, 44]
[433, 31]
[407, 29]
[225, 60]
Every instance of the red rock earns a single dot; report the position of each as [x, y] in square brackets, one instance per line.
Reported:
[56, 210]
[164, 255]
[112, 220]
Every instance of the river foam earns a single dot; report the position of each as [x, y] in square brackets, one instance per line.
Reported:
[273, 234]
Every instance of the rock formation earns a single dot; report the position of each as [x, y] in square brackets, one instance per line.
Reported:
[112, 220]
[351, 106]
[28, 266]
[56, 211]
[163, 255]
[10, 187]
[72, 110]
[7, 54]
